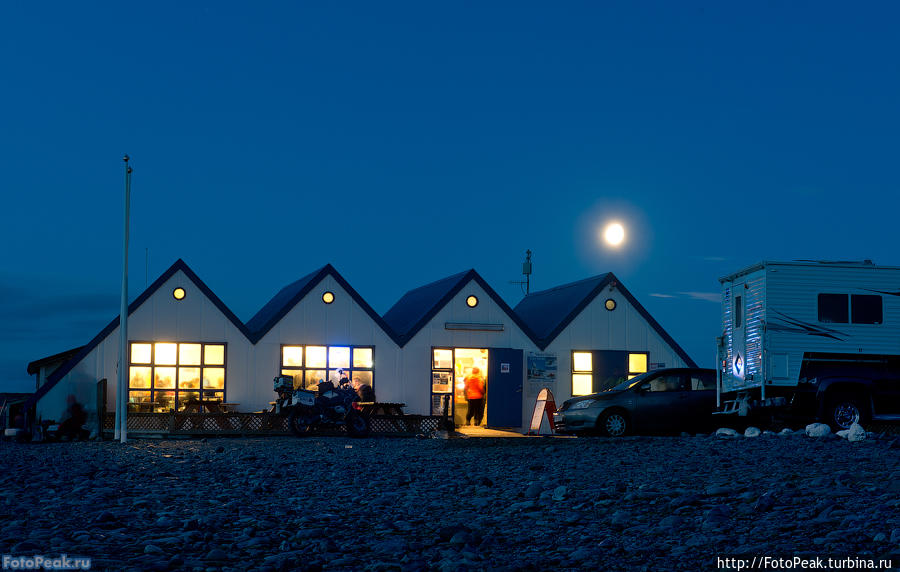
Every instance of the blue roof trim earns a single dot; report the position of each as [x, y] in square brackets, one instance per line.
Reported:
[531, 309]
[288, 297]
[419, 306]
[179, 264]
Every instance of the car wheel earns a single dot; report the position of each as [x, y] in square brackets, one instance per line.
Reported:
[844, 411]
[613, 424]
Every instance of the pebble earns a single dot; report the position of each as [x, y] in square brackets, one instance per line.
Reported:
[448, 504]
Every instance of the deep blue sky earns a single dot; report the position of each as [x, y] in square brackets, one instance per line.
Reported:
[404, 142]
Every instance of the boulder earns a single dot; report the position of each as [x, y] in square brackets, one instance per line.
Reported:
[818, 430]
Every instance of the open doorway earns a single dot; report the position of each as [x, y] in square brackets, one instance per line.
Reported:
[460, 374]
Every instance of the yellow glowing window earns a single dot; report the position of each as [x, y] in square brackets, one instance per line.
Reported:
[637, 363]
[443, 359]
[178, 293]
[189, 354]
[213, 378]
[328, 297]
[139, 377]
[166, 354]
[292, 356]
[471, 301]
[214, 355]
[339, 356]
[362, 357]
[140, 353]
[610, 304]
[315, 356]
[189, 378]
[165, 378]
[582, 384]
[581, 361]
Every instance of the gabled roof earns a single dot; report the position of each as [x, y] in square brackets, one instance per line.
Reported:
[418, 306]
[548, 312]
[179, 264]
[61, 357]
[288, 297]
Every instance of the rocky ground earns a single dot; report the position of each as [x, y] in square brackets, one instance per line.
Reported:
[639, 503]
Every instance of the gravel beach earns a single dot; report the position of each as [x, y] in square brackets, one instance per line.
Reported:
[331, 503]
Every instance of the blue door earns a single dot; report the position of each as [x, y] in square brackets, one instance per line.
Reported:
[504, 387]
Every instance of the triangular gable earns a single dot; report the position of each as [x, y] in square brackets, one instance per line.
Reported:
[549, 312]
[289, 296]
[417, 307]
[179, 264]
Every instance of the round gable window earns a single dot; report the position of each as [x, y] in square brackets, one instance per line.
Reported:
[610, 304]
[328, 297]
[471, 301]
[178, 293]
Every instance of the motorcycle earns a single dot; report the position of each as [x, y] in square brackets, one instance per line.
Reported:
[332, 407]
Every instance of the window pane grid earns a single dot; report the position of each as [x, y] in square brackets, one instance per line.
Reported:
[166, 375]
[322, 362]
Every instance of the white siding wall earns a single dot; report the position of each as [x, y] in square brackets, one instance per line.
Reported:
[597, 328]
[312, 322]
[416, 358]
[794, 289]
[161, 318]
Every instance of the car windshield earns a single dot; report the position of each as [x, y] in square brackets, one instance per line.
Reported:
[631, 382]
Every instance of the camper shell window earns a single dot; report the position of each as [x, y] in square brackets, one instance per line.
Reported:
[834, 308]
[866, 309]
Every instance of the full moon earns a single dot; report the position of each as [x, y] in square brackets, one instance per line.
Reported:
[614, 234]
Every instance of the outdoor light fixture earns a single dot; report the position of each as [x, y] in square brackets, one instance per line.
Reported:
[471, 301]
[328, 297]
[610, 304]
[178, 293]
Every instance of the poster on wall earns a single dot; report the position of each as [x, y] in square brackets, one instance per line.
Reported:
[541, 368]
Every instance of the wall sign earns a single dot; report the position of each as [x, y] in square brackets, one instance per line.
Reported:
[542, 368]
[504, 367]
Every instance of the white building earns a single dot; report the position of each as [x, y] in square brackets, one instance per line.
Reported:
[185, 344]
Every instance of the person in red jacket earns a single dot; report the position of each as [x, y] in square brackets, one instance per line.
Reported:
[474, 396]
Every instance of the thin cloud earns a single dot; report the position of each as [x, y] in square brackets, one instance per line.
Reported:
[706, 296]
[657, 295]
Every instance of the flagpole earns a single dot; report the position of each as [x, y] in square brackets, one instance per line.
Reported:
[121, 431]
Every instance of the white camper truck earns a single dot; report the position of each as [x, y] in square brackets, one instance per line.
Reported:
[822, 337]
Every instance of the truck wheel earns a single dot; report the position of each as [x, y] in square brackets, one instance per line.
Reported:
[844, 411]
[613, 424]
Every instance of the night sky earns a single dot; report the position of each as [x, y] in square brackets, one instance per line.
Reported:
[404, 142]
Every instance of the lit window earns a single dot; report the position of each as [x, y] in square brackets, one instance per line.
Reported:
[582, 384]
[174, 376]
[140, 376]
[443, 359]
[610, 304]
[328, 297]
[471, 301]
[140, 353]
[189, 354]
[323, 363]
[292, 356]
[637, 363]
[362, 357]
[316, 356]
[581, 361]
[338, 356]
[166, 354]
[178, 293]
[164, 378]
[214, 355]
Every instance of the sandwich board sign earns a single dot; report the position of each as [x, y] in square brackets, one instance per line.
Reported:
[542, 418]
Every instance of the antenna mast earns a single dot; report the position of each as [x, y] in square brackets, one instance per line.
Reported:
[526, 270]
